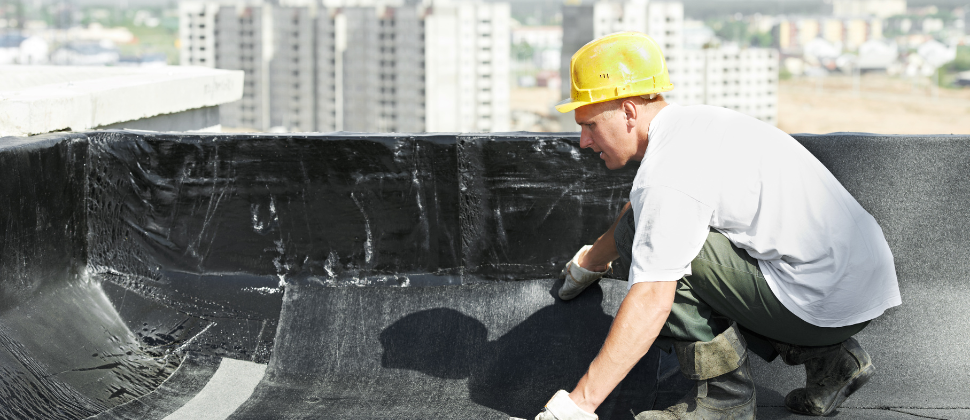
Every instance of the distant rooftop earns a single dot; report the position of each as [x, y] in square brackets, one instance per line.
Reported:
[11, 40]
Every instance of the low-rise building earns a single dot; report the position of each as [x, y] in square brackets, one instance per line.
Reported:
[794, 33]
[20, 49]
[864, 8]
[86, 53]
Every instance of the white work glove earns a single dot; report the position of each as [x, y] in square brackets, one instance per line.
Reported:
[576, 277]
[561, 407]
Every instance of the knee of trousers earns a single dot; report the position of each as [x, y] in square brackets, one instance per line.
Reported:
[702, 360]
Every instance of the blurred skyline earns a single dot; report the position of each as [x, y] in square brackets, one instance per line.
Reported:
[919, 54]
[541, 8]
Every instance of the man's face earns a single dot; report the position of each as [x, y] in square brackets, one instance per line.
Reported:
[607, 133]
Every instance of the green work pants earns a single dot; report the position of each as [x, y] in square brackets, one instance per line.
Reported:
[727, 285]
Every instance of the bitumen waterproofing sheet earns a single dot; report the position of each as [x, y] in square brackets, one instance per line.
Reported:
[348, 276]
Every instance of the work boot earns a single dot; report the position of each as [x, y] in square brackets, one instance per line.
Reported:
[723, 389]
[832, 373]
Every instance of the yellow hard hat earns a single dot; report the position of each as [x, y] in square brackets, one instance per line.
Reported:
[616, 66]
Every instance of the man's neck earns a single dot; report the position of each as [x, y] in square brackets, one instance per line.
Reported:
[650, 112]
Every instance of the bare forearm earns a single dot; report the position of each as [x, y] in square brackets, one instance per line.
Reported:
[603, 250]
[637, 324]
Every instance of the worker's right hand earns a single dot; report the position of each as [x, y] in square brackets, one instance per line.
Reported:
[561, 407]
[576, 278]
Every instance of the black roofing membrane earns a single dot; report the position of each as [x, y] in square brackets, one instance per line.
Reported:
[394, 276]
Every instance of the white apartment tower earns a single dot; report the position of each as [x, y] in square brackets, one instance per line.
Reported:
[292, 91]
[467, 61]
[373, 68]
[234, 37]
[197, 22]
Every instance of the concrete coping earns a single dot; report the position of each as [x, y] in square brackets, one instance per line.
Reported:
[44, 99]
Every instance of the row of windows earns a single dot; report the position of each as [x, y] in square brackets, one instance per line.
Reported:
[747, 107]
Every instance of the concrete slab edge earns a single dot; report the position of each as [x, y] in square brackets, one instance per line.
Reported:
[115, 98]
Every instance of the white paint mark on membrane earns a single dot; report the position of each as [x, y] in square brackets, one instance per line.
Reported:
[422, 214]
[189, 341]
[331, 264]
[369, 244]
[263, 290]
[231, 385]
[258, 225]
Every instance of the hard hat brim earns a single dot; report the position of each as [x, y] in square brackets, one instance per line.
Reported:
[568, 104]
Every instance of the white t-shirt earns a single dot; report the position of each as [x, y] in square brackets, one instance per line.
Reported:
[822, 254]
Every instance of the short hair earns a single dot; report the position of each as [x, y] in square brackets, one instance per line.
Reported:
[612, 106]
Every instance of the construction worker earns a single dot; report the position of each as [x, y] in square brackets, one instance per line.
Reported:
[736, 238]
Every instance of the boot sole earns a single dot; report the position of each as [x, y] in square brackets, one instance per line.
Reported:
[854, 384]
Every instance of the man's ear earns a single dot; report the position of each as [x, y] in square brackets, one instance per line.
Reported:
[630, 113]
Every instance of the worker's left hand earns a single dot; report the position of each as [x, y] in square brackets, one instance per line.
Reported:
[561, 407]
[576, 278]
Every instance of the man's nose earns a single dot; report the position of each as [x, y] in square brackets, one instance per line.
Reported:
[585, 138]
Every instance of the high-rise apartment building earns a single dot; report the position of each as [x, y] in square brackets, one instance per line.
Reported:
[470, 93]
[663, 21]
[372, 67]
[292, 91]
[745, 80]
[233, 37]
[197, 22]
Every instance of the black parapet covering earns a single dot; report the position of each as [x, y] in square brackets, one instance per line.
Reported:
[42, 232]
[342, 207]
[63, 350]
[367, 209]
[530, 200]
